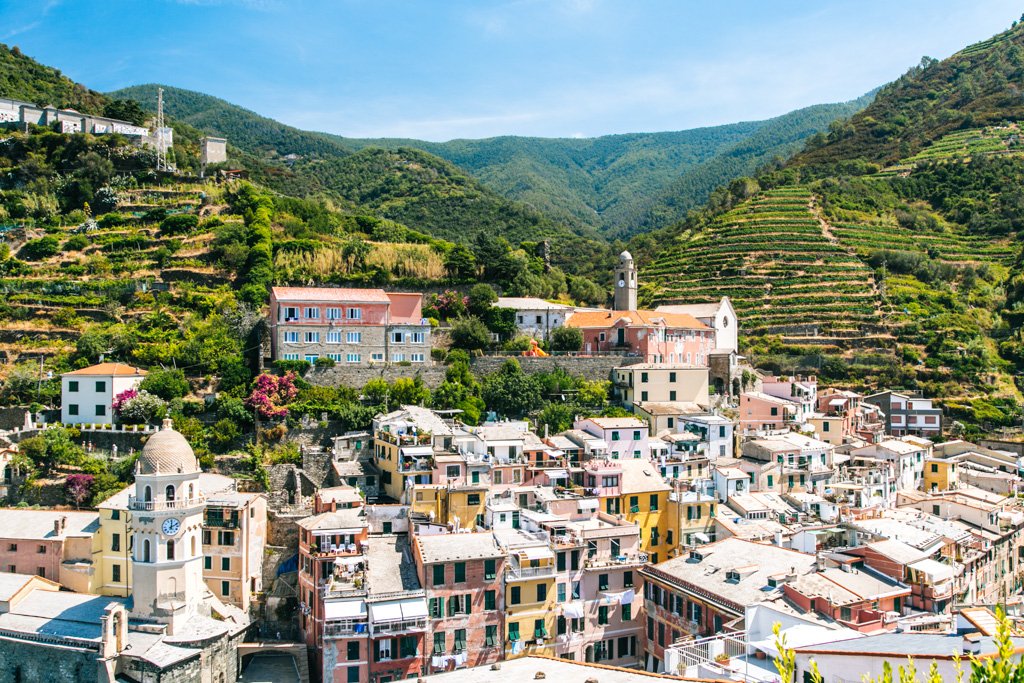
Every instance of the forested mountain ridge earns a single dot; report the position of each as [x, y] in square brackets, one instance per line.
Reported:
[887, 253]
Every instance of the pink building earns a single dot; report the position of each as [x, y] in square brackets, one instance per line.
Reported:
[624, 437]
[656, 336]
[760, 412]
[349, 326]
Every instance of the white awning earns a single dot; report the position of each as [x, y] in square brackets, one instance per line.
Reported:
[334, 532]
[417, 451]
[413, 609]
[573, 610]
[597, 445]
[347, 609]
[348, 561]
[934, 570]
[837, 402]
[554, 452]
[538, 552]
[588, 504]
[385, 611]
[557, 474]
[702, 537]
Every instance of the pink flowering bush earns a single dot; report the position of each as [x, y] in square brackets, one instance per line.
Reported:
[271, 395]
[124, 397]
[451, 304]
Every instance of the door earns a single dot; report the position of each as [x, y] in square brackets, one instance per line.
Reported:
[620, 337]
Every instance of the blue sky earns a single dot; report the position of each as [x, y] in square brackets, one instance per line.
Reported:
[440, 69]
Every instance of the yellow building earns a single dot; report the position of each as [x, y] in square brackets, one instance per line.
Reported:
[530, 597]
[463, 506]
[644, 500]
[940, 475]
[695, 517]
[404, 442]
[234, 538]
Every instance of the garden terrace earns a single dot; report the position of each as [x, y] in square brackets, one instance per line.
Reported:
[951, 246]
[772, 258]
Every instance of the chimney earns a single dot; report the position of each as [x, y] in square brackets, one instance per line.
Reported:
[972, 643]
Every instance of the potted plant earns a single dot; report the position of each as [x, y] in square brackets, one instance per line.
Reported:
[722, 658]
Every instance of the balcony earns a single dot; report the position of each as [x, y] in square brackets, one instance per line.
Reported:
[398, 626]
[517, 573]
[420, 439]
[155, 505]
[343, 629]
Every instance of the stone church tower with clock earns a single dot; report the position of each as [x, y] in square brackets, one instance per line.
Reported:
[625, 284]
[167, 535]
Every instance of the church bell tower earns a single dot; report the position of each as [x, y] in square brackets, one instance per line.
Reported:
[625, 284]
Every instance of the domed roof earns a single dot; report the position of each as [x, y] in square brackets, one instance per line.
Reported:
[167, 452]
[626, 256]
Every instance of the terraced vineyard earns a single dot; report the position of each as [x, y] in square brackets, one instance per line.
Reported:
[953, 247]
[964, 144]
[780, 265]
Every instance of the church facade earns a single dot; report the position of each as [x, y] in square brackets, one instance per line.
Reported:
[172, 629]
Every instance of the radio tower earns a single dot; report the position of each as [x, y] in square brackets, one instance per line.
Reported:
[161, 142]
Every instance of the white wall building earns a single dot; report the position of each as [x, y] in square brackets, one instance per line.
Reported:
[535, 317]
[720, 317]
[87, 395]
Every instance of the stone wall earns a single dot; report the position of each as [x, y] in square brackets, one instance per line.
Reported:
[38, 662]
[590, 367]
[13, 418]
[353, 376]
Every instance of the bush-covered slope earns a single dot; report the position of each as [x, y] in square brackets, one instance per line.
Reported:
[23, 78]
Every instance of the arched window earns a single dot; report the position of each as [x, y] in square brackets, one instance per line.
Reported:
[145, 551]
[194, 553]
[169, 492]
[191, 493]
[147, 495]
[170, 550]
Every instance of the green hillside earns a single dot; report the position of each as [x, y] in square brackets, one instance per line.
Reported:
[23, 78]
[885, 254]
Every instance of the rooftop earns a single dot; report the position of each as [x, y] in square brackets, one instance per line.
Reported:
[618, 422]
[345, 518]
[846, 588]
[531, 303]
[671, 407]
[451, 547]
[755, 561]
[392, 569]
[562, 670]
[603, 319]
[696, 310]
[108, 370]
[330, 294]
[38, 525]
[761, 396]
[640, 476]
[906, 644]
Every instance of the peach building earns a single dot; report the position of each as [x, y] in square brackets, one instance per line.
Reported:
[61, 545]
[656, 337]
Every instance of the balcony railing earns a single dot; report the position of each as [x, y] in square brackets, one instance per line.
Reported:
[520, 573]
[340, 629]
[178, 504]
[398, 626]
[420, 439]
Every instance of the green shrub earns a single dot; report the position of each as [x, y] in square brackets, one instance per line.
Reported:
[36, 250]
[76, 243]
[179, 224]
[299, 367]
[324, 362]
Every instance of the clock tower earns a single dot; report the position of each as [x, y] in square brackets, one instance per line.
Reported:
[166, 523]
[625, 284]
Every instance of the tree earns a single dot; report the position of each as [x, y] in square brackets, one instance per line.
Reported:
[557, 417]
[39, 249]
[566, 339]
[271, 395]
[54, 447]
[481, 297]
[470, 334]
[139, 407]
[501, 321]
[167, 384]
[510, 391]
[78, 488]
[410, 391]
[179, 224]
[125, 110]
[460, 263]
[356, 251]
[377, 392]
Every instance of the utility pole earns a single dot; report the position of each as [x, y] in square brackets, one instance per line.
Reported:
[161, 141]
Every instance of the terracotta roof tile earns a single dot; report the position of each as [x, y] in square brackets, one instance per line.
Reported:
[603, 319]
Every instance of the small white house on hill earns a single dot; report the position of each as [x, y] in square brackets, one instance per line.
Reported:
[87, 395]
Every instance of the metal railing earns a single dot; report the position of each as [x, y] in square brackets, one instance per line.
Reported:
[178, 504]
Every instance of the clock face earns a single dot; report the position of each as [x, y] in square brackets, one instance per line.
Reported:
[171, 526]
[622, 283]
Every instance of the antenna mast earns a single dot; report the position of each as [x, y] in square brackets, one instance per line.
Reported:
[161, 140]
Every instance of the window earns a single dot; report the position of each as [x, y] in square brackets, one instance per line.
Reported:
[435, 607]
[845, 613]
[560, 596]
[206, 537]
[312, 313]
[490, 569]
[602, 582]
[41, 572]
[73, 409]
[643, 378]
[333, 313]
[453, 471]
[825, 426]
[654, 535]
[397, 337]
[615, 436]
[383, 650]
[418, 337]
[225, 538]
[354, 337]
[439, 643]
[602, 615]
[634, 503]
[771, 480]
[473, 498]
[935, 468]
[671, 377]
[115, 542]
[225, 564]
[291, 356]
[627, 579]
[542, 592]
[654, 502]
[101, 410]
[627, 612]
[515, 595]
[513, 631]
[207, 562]
[336, 357]
[672, 395]
[352, 357]
[539, 630]
[417, 357]
[101, 386]
[491, 636]
[334, 337]
[312, 337]
[615, 547]
[310, 358]
[291, 313]
[377, 357]
[12, 547]
[643, 395]
[73, 385]
[460, 572]
[225, 588]
[460, 639]
[490, 600]
[407, 646]
[397, 357]
[115, 573]
[353, 651]
[775, 411]
[438, 577]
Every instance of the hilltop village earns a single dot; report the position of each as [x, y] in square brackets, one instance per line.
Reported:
[666, 535]
[305, 410]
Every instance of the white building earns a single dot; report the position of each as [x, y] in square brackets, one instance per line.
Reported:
[720, 317]
[535, 317]
[87, 395]
[715, 432]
